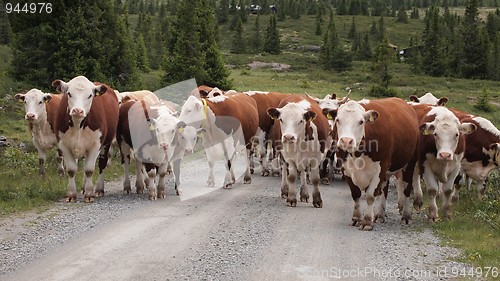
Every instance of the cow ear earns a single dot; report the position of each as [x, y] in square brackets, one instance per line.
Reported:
[427, 128]
[20, 97]
[330, 114]
[333, 96]
[60, 86]
[467, 128]
[201, 131]
[414, 98]
[181, 124]
[203, 93]
[273, 112]
[47, 98]
[100, 90]
[442, 101]
[371, 115]
[152, 124]
[309, 115]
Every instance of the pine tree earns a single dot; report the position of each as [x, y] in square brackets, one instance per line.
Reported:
[141, 54]
[381, 69]
[319, 22]
[5, 28]
[256, 39]
[402, 16]
[365, 51]
[272, 42]
[472, 65]
[496, 58]
[196, 53]
[223, 11]
[433, 56]
[342, 9]
[243, 12]
[282, 8]
[381, 28]
[352, 32]
[332, 55]
[239, 44]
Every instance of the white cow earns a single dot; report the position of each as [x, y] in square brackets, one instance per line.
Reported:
[428, 98]
[41, 113]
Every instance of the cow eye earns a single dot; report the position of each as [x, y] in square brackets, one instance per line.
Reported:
[69, 95]
[40, 102]
[281, 120]
[90, 96]
[456, 135]
[361, 122]
[301, 121]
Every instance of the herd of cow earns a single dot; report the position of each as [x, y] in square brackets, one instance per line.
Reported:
[297, 136]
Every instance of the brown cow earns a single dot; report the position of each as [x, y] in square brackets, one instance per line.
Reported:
[41, 112]
[86, 125]
[224, 118]
[376, 139]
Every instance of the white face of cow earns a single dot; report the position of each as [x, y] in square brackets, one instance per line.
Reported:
[329, 101]
[166, 127]
[446, 129]
[350, 121]
[80, 92]
[292, 117]
[34, 105]
[188, 136]
[192, 112]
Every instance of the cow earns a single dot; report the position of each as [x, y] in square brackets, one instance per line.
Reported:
[156, 138]
[221, 117]
[302, 131]
[376, 139]
[428, 98]
[482, 152]
[442, 148]
[41, 111]
[149, 97]
[85, 127]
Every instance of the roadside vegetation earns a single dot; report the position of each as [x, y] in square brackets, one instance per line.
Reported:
[359, 64]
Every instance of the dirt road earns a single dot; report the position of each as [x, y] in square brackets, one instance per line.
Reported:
[245, 233]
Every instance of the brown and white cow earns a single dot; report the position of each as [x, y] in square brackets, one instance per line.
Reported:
[302, 131]
[41, 113]
[223, 117]
[482, 152]
[149, 97]
[376, 139]
[156, 138]
[428, 98]
[85, 127]
[442, 147]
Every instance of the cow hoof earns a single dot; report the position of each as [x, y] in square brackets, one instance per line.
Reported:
[432, 219]
[366, 227]
[284, 195]
[275, 174]
[89, 199]
[325, 181]
[265, 173]
[140, 191]
[228, 186]
[161, 195]
[60, 172]
[318, 204]
[99, 193]
[379, 219]
[251, 171]
[304, 198]
[292, 202]
[354, 222]
[71, 199]
[247, 180]
[178, 192]
[152, 197]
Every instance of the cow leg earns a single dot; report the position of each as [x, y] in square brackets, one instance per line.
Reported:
[89, 166]
[125, 152]
[211, 179]
[447, 194]
[432, 189]
[42, 157]
[292, 192]
[481, 188]
[151, 171]
[323, 173]
[284, 183]
[162, 172]
[367, 223]
[177, 175]
[381, 214]
[355, 194]
[228, 179]
[169, 168]
[60, 163]
[468, 182]
[315, 179]
[71, 168]
[103, 163]
[139, 177]
[276, 167]
[418, 196]
[400, 187]
[304, 192]
[247, 179]
[456, 189]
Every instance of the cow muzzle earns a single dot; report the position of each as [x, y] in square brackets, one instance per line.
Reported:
[289, 138]
[164, 146]
[189, 150]
[30, 116]
[445, 156]
[346, 143]
[78, 112]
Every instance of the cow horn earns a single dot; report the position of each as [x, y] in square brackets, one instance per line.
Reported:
[346, 98]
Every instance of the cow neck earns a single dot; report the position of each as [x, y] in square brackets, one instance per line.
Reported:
[41, 128]
[205, 111]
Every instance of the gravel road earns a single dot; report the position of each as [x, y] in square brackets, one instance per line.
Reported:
[244, 233]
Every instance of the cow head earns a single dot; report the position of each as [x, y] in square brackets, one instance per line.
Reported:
[166, 127]
[34, 105]
[188, 135]
[429, 98]
[446, 130]
[350, 120]
[193, 112]
[80, 92]
[293, 118]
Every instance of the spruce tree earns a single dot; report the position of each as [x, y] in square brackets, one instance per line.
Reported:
[256, 39]
[239, 44]
[402, 16]
[319, 22]
[471, 54]
[352, 31]
[5, 28]
[433, 56]
[496, 58]
[272, 42]
[223, 11]
[381, 69]
[141, 54]
[365, 51]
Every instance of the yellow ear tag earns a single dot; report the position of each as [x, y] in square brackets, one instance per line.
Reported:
[181, 130]
[329, 116]
[152, 127]
[372, 119]
[426, 132]
[20, 100]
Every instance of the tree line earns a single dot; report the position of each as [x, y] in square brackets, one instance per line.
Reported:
[181, 38]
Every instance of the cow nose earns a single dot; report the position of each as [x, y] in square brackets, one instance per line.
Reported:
[346, 142]
[189, 150]
[164, 146]
[445, 156]
[77, 112]
[30, 116]
[288, 138]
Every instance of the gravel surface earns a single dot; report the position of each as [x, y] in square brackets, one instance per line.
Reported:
[246, 233]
